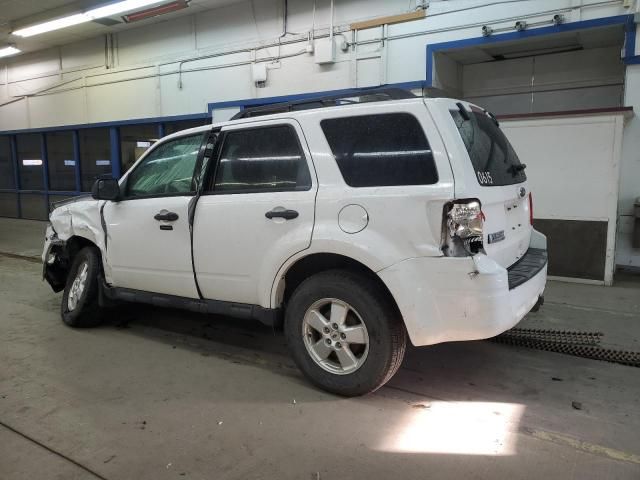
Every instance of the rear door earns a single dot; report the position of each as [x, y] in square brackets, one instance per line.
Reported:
[256, 211]
[486, 167]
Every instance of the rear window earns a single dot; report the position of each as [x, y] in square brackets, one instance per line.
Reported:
[381, 150]
[494, 159]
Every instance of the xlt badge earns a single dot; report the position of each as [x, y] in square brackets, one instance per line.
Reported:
[496, 236]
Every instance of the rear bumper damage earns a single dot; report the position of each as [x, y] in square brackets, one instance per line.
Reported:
[444, 299]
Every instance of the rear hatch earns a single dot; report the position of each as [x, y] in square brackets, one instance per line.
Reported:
[493, 174]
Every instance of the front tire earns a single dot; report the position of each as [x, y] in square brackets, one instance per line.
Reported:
[80, 308]
[344, 332]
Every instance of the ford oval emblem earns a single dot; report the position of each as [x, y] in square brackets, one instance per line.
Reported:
[522, 192]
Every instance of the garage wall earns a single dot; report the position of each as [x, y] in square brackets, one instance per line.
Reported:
[573, 173]
[146, 59]
[629, 174]
[582, 79]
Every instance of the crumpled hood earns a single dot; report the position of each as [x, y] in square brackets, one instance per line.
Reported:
[80, 216]
[66, 201]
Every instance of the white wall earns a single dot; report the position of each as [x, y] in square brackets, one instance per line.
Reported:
[147, 58]
[629, 173]
[582, 79]
[573, 169]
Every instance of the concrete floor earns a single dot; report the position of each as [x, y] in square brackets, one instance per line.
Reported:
[164, 394]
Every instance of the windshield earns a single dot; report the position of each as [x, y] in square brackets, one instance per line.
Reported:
[494, 159]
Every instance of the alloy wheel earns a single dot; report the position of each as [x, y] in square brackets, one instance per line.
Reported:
[335, 336]
[78, 286]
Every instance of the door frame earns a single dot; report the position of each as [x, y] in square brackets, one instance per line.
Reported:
[265, 287]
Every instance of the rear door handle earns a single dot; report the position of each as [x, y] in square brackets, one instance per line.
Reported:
[168, 216]
[281, 213]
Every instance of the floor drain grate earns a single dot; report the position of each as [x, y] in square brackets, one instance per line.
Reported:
[575, 343]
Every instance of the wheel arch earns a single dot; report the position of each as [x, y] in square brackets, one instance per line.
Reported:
[56, 273]
[75, 243]
[297, 271]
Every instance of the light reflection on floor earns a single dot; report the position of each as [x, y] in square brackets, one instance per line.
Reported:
[471, 428]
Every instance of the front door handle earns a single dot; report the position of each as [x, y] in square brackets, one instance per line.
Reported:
[168, 216]
[281, 213]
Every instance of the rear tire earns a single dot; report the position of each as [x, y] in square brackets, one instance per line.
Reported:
[368, 345]
[80, 307]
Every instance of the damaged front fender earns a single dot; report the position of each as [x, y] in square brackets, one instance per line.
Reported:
[55, 262]
[73, 226]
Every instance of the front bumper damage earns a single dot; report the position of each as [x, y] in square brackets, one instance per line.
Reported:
[55, 264]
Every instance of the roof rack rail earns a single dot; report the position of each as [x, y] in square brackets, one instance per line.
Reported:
[347, 98]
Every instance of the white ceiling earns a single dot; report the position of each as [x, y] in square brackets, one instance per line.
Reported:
[14, 13]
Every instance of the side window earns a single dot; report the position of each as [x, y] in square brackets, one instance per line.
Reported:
[261, 160]
[381, 150]
[168, 169]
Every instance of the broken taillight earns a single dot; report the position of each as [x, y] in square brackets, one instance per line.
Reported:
[462, 228]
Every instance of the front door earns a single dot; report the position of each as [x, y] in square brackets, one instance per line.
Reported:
[148, 236]
[256, 211]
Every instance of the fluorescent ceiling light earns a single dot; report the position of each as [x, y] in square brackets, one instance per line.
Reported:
[5, 52]
[78, 18]
[119, 7]
[51, 25]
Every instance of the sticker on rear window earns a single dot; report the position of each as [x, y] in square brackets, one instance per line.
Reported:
[485, 178]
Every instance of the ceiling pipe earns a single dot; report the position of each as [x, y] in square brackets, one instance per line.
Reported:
[331, 23]
[285, 8]
[313, 21]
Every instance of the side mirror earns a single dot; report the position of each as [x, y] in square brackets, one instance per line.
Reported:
[106, 189]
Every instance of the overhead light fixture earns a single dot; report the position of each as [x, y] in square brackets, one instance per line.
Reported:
[88, 16]
[119, 7]
[10, 50]
[155, 11]
[51, 25]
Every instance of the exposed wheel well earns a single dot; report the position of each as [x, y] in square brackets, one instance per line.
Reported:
[57, 272]
[319, 262]
[75, 244]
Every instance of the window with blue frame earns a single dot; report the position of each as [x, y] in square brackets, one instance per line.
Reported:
[95, 155]
[30, 163]
[134, 141]
[54, 154]
[8, 201]
[173, 127]
[6, 163]
[61, 161]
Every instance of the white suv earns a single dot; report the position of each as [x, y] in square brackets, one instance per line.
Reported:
[355, 221]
